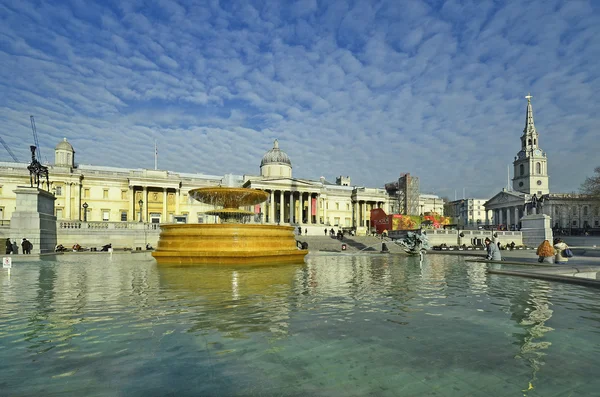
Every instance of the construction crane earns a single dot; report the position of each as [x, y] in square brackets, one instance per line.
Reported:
[35, 138]
[8, 150]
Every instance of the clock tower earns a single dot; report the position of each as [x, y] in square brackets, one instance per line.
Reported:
[531, 167]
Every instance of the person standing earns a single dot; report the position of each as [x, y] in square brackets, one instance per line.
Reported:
[8, 246]
[26, 246]
[493, 253]
[560, 246]
[326, 231]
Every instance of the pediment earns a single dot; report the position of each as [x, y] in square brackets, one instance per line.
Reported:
[505, 199]
[289, 183]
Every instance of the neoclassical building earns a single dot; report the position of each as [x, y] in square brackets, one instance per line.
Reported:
[112, 194]
[571, 213]
[311, 202]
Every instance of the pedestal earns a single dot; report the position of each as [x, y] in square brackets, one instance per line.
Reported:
[34, 219]
[535, 229]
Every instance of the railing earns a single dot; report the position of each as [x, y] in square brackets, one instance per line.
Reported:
[108, 225]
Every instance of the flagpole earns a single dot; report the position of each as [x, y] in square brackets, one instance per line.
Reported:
[155, 156]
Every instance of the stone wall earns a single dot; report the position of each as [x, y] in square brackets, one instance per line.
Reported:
[34, 219]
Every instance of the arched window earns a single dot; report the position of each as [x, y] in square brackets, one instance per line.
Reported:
[534, 141]
[529, 142]
[538, 168]
[585, 211]
[521, 169]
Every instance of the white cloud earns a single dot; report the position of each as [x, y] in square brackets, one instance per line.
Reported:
[365, 89]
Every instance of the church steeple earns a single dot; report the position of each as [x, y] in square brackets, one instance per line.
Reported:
[530, 165]
[529, 125]
[529, 140]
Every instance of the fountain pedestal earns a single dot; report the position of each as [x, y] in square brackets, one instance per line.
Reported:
[228, 242]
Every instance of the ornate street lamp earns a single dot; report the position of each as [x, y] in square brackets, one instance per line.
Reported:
[85, 207]
[141, 203]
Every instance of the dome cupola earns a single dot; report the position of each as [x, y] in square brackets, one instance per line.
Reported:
[64, 154]
[276, 163]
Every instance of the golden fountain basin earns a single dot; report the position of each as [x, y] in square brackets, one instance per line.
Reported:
[228, 243]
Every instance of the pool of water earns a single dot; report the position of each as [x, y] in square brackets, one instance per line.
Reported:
[96, 325]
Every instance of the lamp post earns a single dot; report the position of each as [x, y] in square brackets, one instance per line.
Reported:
[85, 207]
[141, 203]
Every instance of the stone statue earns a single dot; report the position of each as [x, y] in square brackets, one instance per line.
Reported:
[37, 171]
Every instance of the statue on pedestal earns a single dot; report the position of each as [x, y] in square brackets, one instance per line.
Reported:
[37, 171]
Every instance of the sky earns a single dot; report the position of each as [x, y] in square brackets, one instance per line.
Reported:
[365, 89]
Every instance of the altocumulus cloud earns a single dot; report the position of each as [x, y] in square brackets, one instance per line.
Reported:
[368, 89]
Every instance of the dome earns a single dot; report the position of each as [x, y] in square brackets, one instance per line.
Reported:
[64, 145]
[275, 156]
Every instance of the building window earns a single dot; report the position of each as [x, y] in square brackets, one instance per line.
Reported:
[200, 218]
[105, 194]
[86, 192]
[596, 223]
[574, 210]
[337, 206]
[123, 216]
[538, 168]
[105, 215]
[59, 190]
[585, 211]
[59, 213]
[347, 207]
[522, 169]
[123, 194]
[574, 223]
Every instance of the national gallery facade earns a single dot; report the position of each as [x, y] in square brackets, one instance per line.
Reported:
[112, 194]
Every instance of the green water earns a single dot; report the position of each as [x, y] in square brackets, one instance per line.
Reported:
[92, 325]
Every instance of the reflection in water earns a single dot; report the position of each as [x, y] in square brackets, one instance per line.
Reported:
[235, 299]
[531, 309]
[338, 325]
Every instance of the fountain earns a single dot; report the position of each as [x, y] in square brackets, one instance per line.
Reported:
[231, 241]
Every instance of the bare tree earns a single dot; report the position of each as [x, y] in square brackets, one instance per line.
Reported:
[591, 185]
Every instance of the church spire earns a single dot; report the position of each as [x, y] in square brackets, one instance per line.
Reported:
[529, 125]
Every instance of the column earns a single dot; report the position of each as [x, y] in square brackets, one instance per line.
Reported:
[164, 209]
[356, 224]
[177, 200]
[309, 209]
[517, 217]
[292, 209]
[262, 212]
[500, 217]
[318, 210]
[68, 201]
[145, 205]
[281, 207]
[133, 204]
[301, 218]
[79, 200]
[324, 210]
[272, 207]
[508, 218]
[487, 217]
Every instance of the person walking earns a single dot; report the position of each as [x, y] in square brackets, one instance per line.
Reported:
[8, 246]
[493, 252]
[326, 231]
[560, 247]
[545, 252]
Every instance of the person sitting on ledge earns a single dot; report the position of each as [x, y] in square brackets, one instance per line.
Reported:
[77, 247]
[149, 247]
[493, 252]
[106, 247]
